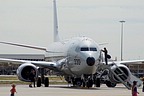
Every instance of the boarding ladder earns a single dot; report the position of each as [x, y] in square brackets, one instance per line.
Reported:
[120, 75]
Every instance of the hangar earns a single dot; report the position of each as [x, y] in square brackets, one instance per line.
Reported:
[10, 69]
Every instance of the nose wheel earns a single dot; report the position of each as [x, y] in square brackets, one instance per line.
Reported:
[78, 82]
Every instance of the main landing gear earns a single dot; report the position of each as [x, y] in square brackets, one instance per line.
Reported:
[45, 82]
[42, 80]
[85, 82]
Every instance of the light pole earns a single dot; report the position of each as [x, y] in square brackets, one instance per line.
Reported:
[122, 39]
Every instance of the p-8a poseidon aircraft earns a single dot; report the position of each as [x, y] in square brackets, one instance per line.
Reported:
[79, 60]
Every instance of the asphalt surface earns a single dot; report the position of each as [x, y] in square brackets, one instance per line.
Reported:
[65, 90]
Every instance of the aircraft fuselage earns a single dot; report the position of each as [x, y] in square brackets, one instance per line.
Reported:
[82, 53]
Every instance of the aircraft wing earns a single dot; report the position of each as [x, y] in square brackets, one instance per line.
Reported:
[29, 46]
[37, 63]
[130, 62]
[26, 46]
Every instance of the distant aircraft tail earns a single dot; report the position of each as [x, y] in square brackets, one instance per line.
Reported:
[56, 35]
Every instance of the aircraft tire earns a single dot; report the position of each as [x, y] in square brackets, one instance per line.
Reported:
[97, 83]
[89, 83]
[46, 82]
[110, 84]
[78, 82]
[39, 82]
[83, 83]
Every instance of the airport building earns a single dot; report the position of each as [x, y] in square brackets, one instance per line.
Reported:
[10, 69]
[137, 69]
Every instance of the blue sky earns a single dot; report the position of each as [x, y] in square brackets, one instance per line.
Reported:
[31, 22]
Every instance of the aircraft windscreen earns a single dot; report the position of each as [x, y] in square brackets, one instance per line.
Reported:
[88, 49]
[84, 49]
[93, 49]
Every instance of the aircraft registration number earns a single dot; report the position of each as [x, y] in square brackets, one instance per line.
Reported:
[77, 61]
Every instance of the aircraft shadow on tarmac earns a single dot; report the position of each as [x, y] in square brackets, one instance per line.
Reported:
[85, 88]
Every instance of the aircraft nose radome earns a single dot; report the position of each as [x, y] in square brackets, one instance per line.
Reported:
[90, 61]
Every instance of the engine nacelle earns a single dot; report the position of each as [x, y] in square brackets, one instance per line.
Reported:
[24, 70]
[124, 69]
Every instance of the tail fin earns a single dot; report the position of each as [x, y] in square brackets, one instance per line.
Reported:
[56, 35]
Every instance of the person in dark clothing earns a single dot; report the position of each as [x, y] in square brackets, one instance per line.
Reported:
[143, 84]
[143, 87]
[32, 77]
[106, 54]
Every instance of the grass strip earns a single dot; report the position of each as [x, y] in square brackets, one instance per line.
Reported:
[13, 79]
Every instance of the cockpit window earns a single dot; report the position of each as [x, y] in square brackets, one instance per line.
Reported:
[93, 49]
[88, 49]
[84, 49]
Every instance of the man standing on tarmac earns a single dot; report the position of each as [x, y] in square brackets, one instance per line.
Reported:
[32, 77]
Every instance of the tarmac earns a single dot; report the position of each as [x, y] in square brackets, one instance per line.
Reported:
[65, 90]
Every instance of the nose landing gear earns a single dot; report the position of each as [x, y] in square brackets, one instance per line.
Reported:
[85, 82]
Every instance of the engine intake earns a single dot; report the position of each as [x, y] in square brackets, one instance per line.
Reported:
[24, 70]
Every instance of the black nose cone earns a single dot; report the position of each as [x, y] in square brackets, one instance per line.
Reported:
[90, 61]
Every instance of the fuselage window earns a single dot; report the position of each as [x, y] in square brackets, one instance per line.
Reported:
[93, 49]
[84, 49]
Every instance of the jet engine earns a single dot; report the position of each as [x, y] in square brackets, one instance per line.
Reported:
[120, 70]
[24, 70]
